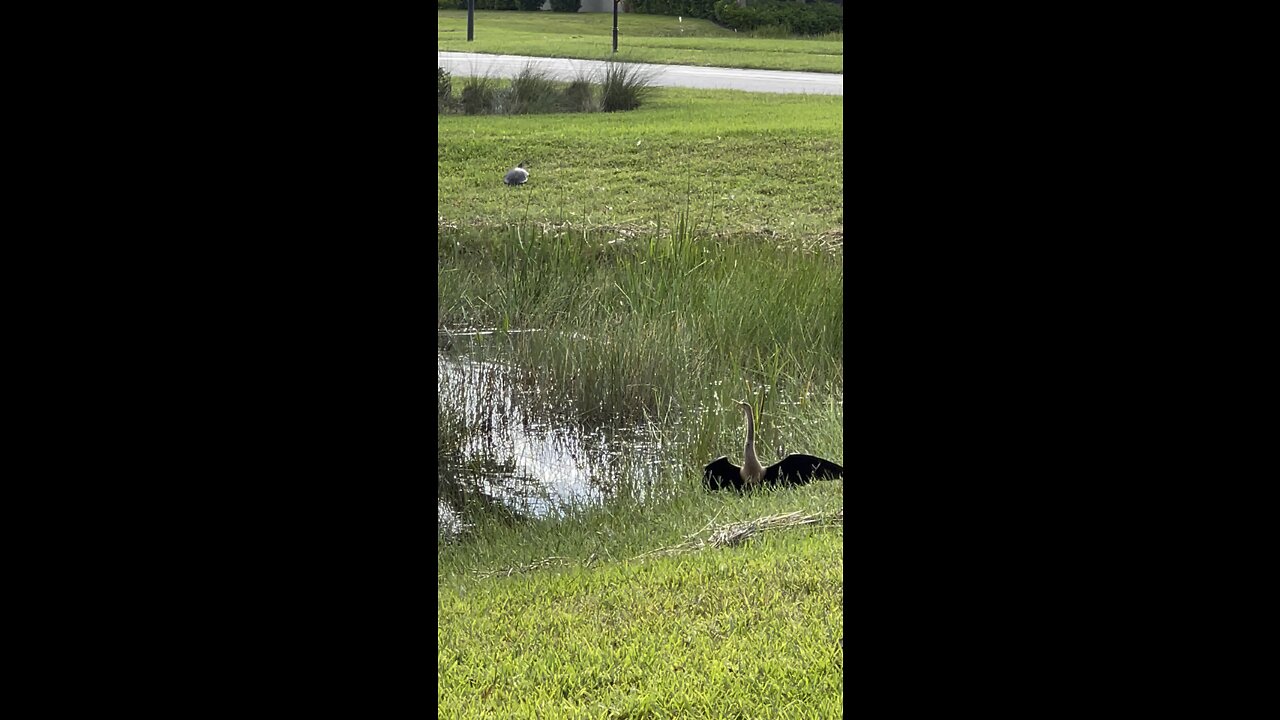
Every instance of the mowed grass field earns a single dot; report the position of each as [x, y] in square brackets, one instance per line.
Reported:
[641, 38]
[753, 630]
[742, 163]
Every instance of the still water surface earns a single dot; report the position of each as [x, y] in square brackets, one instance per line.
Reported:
[501, 448]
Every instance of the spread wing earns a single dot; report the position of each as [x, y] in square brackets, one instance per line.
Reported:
[720, 474]
[798, 469]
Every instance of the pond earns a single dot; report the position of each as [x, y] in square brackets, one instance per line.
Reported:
[502, 449]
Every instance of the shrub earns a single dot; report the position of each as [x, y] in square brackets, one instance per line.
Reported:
[444, 91]
[530, 5]
[687, 8]
[532, 91]
[800, 18]
[578, 96]
[485, 4]
[624, 87]
[480, 97]
[566, 5]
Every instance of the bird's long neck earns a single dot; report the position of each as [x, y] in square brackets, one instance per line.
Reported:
[750, 463]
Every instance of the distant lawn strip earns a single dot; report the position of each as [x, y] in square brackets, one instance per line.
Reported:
[746, 628]
[747, 163]
[641, 38]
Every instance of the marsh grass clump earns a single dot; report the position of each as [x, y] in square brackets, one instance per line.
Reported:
[657, 318]
[579, 95]
[444, 91]
[624, 86]
[532, 91]
[480, 96]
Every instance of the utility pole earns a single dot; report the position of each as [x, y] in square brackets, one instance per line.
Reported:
[471, 20]
[615, 25]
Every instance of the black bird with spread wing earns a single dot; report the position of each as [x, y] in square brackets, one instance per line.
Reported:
[794, 469]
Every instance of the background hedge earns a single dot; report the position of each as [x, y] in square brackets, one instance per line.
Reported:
[807, 18]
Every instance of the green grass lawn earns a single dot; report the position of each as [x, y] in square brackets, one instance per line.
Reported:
[641, 38]
[745, 163]
[574, 616]
[752, 630]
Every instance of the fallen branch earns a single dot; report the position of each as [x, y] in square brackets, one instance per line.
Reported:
[729, 535]
[735, 534]
[545, 562]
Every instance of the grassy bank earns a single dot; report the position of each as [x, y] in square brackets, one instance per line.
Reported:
[591, 613]
[742, 163]
[641, 38]
[653, 605]
[572, 619]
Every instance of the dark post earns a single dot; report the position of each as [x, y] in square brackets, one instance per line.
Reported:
[471, 19]
[615, 25]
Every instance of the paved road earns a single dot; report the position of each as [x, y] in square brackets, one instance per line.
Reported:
[713, 78]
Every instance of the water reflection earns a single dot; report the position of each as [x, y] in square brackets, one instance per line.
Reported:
[502, 451]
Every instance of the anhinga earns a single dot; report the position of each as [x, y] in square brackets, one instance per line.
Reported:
[794, 469]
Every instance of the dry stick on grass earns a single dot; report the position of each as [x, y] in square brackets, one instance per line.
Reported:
[730, 535]
[735, 534]
[688, 544]
[553, 560]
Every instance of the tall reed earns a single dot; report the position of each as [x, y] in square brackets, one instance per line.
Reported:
[650, 324]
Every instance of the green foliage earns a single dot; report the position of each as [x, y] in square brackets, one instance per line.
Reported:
[525, 5]
[624, 86]
[579, 96]
[659, 316]
[799, 18]
[683, 8]
[444, 91]
[783, 18]
[480, 96]
[566, 6]
[532, 91]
